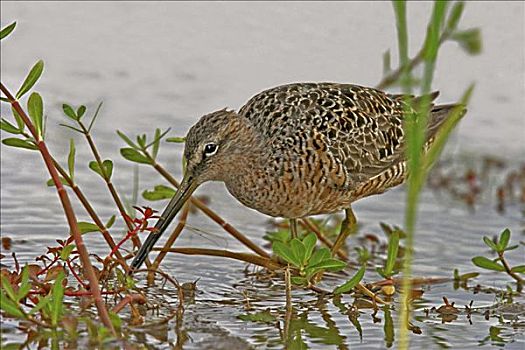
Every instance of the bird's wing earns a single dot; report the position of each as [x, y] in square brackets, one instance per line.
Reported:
[358, 129]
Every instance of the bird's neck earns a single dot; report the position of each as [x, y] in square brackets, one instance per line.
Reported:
[250, 151]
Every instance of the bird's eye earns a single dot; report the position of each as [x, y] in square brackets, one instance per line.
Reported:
[210, 149]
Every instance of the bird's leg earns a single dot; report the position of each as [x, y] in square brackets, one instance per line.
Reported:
[293, 228]
[346, 227]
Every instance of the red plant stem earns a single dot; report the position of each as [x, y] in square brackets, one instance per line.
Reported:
[89, 210]
[68, 210]
[129, 235]
[132, 298]
[48, 265]
[80, 293]
[77, 277]
[92, 213]
[246, 257]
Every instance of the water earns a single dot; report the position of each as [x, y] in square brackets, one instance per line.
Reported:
[165, 64]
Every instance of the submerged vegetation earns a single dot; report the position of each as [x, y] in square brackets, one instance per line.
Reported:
[37, 294]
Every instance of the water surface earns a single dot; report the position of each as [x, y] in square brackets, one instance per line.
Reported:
[165, 64]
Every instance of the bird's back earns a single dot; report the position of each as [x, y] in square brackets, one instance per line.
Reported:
[330, 139]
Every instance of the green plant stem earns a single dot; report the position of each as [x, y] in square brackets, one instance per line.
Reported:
[210, 213]
[395, 75]
[508, 269]
[246, 257]
[69, 212]
[402, 38]
[289, 308]
[415, 128]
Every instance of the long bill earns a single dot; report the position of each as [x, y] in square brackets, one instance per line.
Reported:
[183, 194]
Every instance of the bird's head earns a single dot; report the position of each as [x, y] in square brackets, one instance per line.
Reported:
[213, 144]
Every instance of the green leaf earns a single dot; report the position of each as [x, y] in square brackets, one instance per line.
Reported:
[262, 316]
[156, 143]
[503, 240]
[8, 127]
[490, 243]
[134, 156]
[8, 288]
[85, 227]
[351, 283]
[7, 30]
[309, 243]
[431, 44]
[116, 321]
[486, 263]
[127, 140]
[66, 252]
[19, 143]
[176, 139]
[18, 118]
[141, 140]
[10, 307]
[518, 269]
[512, 247]
[285, 252]
[63, 181]
[72, 128]
[111, 221]
[57, 297]
[69, 111]
[381, 272]
[393, 246]
[41, 304]
[159, 192]
[329, 264]
[31, 79]
[93, 165]
[319, 255]
[469, 40]
[300, 281]
[299, 250]
[465, 276]
[279, 236]
[80, 111]
[94, 116]
[25, 286]
[71, 159]
[35, 107]
[455, 15]
[107, 166]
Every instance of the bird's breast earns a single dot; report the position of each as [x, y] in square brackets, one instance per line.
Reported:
[285, 191]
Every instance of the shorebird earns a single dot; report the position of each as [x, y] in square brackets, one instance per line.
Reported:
[300, 149]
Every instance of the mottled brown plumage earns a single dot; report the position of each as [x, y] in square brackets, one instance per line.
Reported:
[300, 149]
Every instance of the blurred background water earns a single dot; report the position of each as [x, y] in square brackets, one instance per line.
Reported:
[164, 64]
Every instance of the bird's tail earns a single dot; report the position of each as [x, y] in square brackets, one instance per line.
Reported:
[439, 114]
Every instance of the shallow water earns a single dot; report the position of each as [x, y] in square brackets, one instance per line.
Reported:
[165, 64]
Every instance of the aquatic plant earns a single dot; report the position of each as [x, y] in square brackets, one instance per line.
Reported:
[36, 292]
